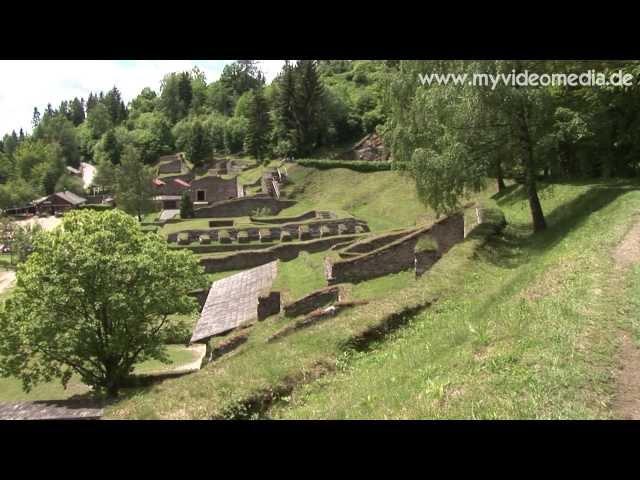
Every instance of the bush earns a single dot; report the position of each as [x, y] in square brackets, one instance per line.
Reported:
[325, 231]
[285, 236]
[205, 239]
[356, 165]
[342, 229]
[99, 207]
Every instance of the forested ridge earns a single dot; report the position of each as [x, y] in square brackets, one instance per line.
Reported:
[309, 105]
[450, 138]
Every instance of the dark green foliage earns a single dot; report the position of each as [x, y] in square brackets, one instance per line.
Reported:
[356, 165]
[98, 207]
[186, 206]
[258, 126]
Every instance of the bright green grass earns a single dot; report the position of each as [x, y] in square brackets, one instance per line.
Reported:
[178, 356]
[529, 333]
[5, 262]
[11, 388]
[384, 199]
[300, 276]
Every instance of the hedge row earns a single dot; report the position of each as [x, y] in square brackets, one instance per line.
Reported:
[357, 165]
[96, 206]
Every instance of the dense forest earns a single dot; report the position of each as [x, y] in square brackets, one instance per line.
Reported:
[310, 105]
[451, 138]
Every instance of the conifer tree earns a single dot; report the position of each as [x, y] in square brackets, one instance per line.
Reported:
[259, 126]
[308, 105]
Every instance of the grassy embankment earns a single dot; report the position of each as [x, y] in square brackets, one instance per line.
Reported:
[523, 327]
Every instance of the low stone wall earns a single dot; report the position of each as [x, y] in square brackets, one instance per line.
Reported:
[220, 223]
[313, 301]
[396, 256]
[425, 260]
[283, 251]
[268, 304]
[370, 244]
[315, 230]
[299, 218]
[242, 207]
[200, 295]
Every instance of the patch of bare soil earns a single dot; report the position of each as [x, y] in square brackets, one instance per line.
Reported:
[6, 280]
[627, 402]
[627, 252]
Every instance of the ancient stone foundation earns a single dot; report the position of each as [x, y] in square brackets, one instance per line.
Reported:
[268, 304]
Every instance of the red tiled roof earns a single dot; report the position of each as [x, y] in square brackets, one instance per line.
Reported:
[182, 183]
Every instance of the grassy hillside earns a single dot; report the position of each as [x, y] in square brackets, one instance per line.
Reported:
[523, 326]
[531, 332]
[384, 199]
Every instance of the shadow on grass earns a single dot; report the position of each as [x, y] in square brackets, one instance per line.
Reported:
[518, 242]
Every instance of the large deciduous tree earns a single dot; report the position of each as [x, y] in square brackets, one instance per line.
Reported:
[94, 299]
[452, 137]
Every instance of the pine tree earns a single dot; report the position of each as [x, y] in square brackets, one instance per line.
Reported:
[36, 118]
[91, 102]
[308, 105]
[285, 128]
[185, 92]
[198, 149]
[77, 111]
[186, 206]
[21, 136]
[113, 101]
[259, 126]
[48, 113]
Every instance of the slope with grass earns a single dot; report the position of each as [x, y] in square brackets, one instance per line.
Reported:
[384, 200]
[531, 332]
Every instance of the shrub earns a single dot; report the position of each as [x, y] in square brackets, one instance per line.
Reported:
[342, 229]
[98, 207]
[357, 165]
[243, 237]
[285, 236]
[325, 231]
[359, 229]
[224, 236]
[205, 239]
[183, 239]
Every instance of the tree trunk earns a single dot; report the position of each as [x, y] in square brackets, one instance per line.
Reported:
[537, 216]
[499, 177]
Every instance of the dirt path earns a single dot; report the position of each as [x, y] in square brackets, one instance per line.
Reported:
[626, 404]
[6, 280]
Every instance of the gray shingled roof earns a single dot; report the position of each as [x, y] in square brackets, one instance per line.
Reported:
[233, 301]
[71, 197]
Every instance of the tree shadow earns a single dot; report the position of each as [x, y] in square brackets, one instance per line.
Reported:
[518, 243]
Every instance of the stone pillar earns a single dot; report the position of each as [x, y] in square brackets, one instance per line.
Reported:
[268, 304]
